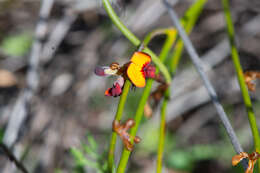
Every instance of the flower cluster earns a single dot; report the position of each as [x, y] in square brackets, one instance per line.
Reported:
[137, 70]
[121, 130]
[252, 158]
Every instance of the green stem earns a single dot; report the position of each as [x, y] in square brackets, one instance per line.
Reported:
[239, 72]
[134, 40]
[118, 116]
[155, 33]
[162, 132]
[189, 20]
[139, 113]
[138, 117]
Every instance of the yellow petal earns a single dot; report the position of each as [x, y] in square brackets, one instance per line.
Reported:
[140, 58]
[135, 75]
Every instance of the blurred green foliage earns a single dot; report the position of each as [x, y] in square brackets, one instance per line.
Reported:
[88, 157]
[16, 45]
[1, 134]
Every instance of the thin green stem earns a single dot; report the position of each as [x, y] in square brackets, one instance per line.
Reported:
[120, 109]
[239, 72]
[162, 131]
[134, 40]
[155, 33]
[189, 19]
[115, 19]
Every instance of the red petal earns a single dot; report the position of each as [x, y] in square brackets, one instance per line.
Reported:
[149, 71]
[115, 91]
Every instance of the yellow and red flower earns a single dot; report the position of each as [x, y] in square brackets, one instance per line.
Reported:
[140, 68]
[137, 70]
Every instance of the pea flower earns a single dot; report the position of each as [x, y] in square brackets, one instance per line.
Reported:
[137, 70]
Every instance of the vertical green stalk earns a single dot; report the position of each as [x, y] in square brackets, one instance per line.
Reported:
[120, 109]
[162, 131]
[239, 72]
[188, 21]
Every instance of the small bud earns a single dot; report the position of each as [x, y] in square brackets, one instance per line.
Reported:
[114, 91]
[114, 66]
[121, 130]
[149, 71]
[137, 139]
[147, 110]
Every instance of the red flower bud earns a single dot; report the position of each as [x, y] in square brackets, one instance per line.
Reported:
[116, 90]
[149, 71]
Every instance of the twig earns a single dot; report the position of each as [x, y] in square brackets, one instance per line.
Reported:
[12, 157]
[20, 110]
[195, 59]
[57, 35]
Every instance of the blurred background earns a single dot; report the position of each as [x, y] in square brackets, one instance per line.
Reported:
[50, 99]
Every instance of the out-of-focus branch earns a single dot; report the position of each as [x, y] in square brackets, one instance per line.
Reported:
[57, 35]
[20, 111]
[12, 157]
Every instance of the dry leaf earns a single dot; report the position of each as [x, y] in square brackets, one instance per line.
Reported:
[7, 79]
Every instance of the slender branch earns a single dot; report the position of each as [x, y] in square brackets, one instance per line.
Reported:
[240, 76]
[57, 35]
[20, 111]
[195, 60]
[12, 157]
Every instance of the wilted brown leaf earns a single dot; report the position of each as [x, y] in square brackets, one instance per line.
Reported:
[7, 79]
